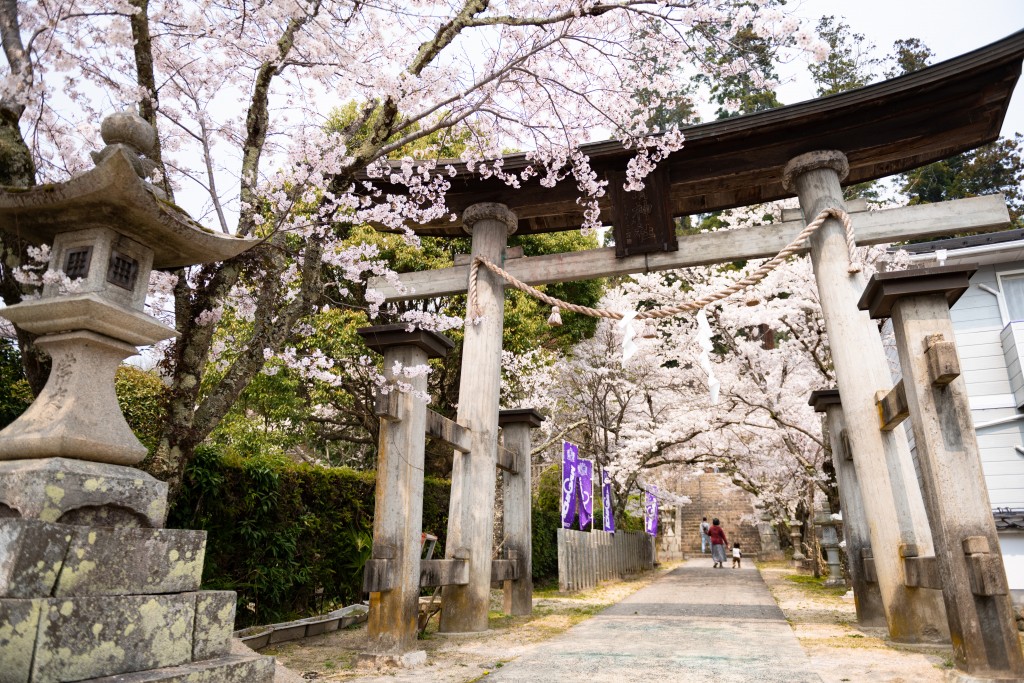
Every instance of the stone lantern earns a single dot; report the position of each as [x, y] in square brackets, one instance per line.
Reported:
[830, 542]
[91, 585]
[794, 535]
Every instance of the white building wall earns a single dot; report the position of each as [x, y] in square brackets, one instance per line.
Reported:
[978, 319]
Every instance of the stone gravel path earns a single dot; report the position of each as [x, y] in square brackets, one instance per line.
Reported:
[694, 624]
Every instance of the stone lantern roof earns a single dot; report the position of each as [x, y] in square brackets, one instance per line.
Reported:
[113, 195]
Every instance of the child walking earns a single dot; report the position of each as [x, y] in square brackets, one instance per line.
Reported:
[736, 555]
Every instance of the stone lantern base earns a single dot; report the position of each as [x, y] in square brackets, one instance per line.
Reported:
[91, 589]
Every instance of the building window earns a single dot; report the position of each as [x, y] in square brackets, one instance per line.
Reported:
[1013, 294]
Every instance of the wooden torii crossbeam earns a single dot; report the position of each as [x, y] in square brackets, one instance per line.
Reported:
[977, 214]
[804, 150]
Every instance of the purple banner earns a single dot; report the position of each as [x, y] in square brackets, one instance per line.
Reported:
[570, 460]
[651, 511]
[585, 470]
[606, 504]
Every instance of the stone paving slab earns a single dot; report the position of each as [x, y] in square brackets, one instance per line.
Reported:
[694, 624]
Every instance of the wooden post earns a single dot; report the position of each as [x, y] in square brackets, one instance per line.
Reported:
[892, 496]
[398, 507]
[866, 595]
[515, 427]
[970, 566]
[470, 514]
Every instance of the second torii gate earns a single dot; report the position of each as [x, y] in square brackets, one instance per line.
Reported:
[806, 149]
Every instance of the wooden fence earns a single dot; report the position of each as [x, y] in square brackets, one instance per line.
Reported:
[585, 558]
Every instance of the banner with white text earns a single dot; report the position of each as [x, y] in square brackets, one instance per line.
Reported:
[570, 461]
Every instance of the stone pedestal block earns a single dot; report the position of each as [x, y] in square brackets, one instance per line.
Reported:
[39, 559]
[71, 639]
[82, 493]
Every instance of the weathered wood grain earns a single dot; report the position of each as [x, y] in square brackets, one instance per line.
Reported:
[977, 214]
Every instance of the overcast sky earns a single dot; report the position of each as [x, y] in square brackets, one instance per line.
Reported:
[949, 27]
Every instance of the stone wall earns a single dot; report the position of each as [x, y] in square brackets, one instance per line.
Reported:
[714, 495]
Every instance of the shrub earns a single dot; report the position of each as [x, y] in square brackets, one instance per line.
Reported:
[143, 400]
[290, 538]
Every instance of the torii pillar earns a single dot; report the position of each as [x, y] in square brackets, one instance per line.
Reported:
[967, 558]
[471, 512]
[892, 496]
[517, 496]
[398, 506]
[866, 597]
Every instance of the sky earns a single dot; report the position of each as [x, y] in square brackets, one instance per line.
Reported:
[949, 27]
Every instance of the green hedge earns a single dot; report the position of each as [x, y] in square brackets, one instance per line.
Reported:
[279, 531]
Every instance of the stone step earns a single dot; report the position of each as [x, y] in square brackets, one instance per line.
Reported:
[227, 669]
[71, 639]
[40, 559]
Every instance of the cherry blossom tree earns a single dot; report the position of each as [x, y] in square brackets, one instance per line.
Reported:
[241, 93]
[654, 416]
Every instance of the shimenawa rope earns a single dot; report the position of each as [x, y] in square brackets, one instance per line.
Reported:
[669, 311]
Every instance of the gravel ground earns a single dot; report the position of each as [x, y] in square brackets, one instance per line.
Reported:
[825, 624]
[822, 620]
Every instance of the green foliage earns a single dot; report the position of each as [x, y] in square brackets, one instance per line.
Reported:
[15, 393]
[848, 64]
[351, 119]
[143, 400]
[996, 167]
[279, 531]
[909, 55]
[546, 521]
[742, 93]
[815, 585]
[575, 327]
[672, 109]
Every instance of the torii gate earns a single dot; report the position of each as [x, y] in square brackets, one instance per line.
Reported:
[805, 149]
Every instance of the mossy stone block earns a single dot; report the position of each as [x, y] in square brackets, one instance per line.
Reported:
[215, 622]
[19, 624]
[90, 637]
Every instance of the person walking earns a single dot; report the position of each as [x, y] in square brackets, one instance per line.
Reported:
[737, 556]
[718, 543]
[705, 540]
